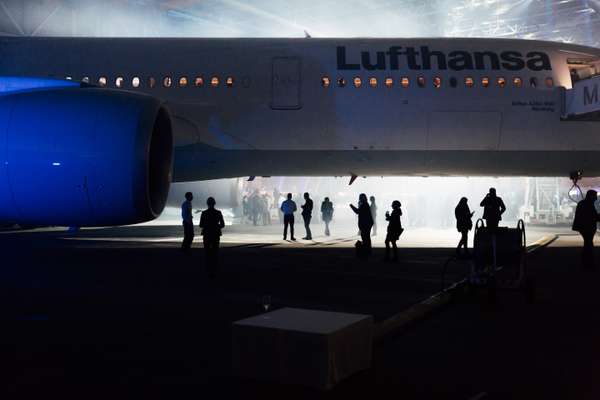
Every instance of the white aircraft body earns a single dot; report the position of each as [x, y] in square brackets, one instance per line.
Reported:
[313, 107]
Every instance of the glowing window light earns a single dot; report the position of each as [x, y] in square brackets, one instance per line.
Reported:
[325, 81]
[85, 79]
[167, 81]
[214, 81]
[517, 82]
[119, 82]
[229, 81]
[199, 81]
[421, 81]
[437, 82]
[151, 82]
[56, 164]
[357, 82]
[102, 81]
[485, 81]
[341, 82]
[469, 82]
[501, 81]
[549, 82]
[69, 78]
[405, 82]
[183, 81]
[389, 82]
[135, 82]
[373, 82]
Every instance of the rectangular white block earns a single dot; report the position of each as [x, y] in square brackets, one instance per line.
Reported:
[298, 346]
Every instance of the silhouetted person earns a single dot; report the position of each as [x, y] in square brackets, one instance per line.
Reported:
[394, 230]
[188, 222]
[463, 224]
[288, 208]
[373, 207]
[584, 222]
[307, 208]
[327, 214]
[211, 223]
[493, 208]
[365, 222]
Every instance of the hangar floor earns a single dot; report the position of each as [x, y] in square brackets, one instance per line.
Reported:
[122, 310]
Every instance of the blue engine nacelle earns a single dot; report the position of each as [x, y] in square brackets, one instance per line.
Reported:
[83, 157]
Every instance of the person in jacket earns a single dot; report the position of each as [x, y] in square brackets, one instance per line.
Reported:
[307, 208]
[327, 214]
[585, 222]
[211, 224]
[365, 223]
[188, 222]
[288, 208]
[493, 208]
[463, 224]
[394, 230]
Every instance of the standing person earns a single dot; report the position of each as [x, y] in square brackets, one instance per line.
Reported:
[188, 222]
[327, 214]
[307, 208]
[463, 224]
[584, 222]
[211, 223]
[394, 230]
[493, 208]
[365, 222]
[288, 208]
[373, 207]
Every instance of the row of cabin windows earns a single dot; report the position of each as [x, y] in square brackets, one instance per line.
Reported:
[437, 82]
[167, 81]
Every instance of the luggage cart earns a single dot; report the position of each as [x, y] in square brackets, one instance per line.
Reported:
[499, 261]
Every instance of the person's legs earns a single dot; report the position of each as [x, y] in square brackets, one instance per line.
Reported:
[491, 224]
[395, 257]
[326, 228]
[588, 250]
[307, 227]
[366, 240]
[286, 222]
[387, 249]
[188, 236]
[292, 227]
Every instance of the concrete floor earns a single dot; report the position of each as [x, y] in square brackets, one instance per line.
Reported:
[122, 311]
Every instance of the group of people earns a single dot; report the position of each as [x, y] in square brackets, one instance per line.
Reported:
[212, 223]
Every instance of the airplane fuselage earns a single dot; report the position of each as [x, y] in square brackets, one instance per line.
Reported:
[262, 107]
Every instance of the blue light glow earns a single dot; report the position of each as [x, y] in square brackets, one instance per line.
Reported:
[10, 84]
[56, 164]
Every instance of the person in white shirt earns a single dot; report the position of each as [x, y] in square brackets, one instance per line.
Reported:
[288, 207]
[188, 223]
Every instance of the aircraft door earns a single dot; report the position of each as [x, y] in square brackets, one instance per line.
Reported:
[285, 84]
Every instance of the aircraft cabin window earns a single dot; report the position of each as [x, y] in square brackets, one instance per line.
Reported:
[357, 82]
[437, 82]
[517, 82]
[199, 81]
[485, 81]
[404, 82]
[389, 82]
[69, 78]
[135, 82]
[229, 81]
[102, 81]
[325, 81]
[214, 81]
[373, 82]
[183, 81]
[549, 82]
[341, 82]
[421, 81]
[453, 82]
[167, 81]
[120, 82]
[151, 82]
[85, 79]
[501, 81]
[469, 82]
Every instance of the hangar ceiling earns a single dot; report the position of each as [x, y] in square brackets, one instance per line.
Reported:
[573, 21]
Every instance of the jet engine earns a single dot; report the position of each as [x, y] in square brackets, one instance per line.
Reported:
[83, 157]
